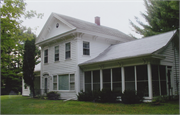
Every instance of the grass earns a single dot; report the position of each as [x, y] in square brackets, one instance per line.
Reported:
[11, 104]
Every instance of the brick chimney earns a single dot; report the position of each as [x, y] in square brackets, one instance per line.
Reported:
[97, 20]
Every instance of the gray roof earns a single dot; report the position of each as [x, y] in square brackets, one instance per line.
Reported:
[88, 26]
[144, 46]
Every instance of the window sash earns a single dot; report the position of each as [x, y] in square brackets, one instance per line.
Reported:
[46, 56]
[86, 48]
[68, 50]
[56, 53]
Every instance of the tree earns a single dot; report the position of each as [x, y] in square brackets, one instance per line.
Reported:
[161, 16]
[29, 61]
[12, 37]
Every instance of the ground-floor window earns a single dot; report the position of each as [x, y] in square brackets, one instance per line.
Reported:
[135, 78]
[64, 82]
[142, 79]
[159, 83]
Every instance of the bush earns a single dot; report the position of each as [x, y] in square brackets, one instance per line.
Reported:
[106, 95]
[88, 96]
[98, 96]
[131, 97]
[53, 95]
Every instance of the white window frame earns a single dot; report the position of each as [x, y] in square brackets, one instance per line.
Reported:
[56, 53]
[45, 56]
[86, 48]
[68, 50]
[70, 82]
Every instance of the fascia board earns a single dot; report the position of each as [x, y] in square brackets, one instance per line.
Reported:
[127, 58]
[63, 21]
[100, 35]
[56, 37]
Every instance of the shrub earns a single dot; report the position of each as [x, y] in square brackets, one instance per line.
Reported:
[98, 96]
[53, 95]
[131, 97]
[106, 95]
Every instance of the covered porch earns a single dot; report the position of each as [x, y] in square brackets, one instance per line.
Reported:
[144, 74]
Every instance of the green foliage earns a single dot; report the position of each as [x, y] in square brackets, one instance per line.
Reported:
[53, 95]
[161, 16]
[12, 38]
[99, 96]
[131, 97]
[165, 98]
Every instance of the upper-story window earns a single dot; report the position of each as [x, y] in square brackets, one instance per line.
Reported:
[46, 56]
[56, 53]
[68, 50]
[86, 48]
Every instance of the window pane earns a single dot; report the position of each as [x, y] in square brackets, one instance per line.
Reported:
[68, 47]
[88, 77]
[106, 75]
[72, 78]
[86, 45]
[55, 79]
[129, 73]
[96, 80]
[154, 69]
[68, 54]
[54, 86]
[72, 86]
[107, 86]
[141, 71]
[86, 51]
[63, 82]
[116, 73]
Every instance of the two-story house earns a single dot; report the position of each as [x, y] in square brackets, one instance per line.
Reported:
[78, 55]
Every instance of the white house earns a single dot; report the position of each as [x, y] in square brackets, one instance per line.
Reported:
[78, 55]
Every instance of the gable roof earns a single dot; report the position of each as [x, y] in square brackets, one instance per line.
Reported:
[92, 27]
[141, 47]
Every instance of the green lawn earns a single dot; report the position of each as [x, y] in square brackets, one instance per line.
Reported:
[25, 105]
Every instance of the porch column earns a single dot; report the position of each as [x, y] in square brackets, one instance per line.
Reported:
[101, 80]
[150, 81]
[83, 81]
[123, 79]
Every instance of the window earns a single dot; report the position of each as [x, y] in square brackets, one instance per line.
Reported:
[159, 80]
[129, 78]
[96, 80]
[63, 82]
[55, 82]
[106, 79]
[57, 25]
[72, 82]
[88, 81]
[56, 53]
[142, 79]
[116, 76]
[46, 56]
[68, 50]
[86, 49]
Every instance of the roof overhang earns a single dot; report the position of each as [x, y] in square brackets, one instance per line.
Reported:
[127, 61]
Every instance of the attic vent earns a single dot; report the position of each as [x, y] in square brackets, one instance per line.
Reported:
[57, 25]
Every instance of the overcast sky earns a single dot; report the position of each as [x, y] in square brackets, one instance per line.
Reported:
[112, 13]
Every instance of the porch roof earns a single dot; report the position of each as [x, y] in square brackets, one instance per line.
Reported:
[136, 48]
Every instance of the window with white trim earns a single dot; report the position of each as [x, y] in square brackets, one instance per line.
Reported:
[68, 50]
[86, 48]
[56, 53]
[46, 56]
[64, 82]
[55, 82]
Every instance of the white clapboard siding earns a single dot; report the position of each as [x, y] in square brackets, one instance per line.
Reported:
[170, 55]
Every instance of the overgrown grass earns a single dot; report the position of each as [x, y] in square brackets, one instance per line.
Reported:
[25, 105]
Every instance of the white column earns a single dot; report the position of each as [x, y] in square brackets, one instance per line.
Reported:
[111, 80]
[101, 80]
[123, 79]
[83, 81]
[150, 81]
[135, 74]
[92, 80]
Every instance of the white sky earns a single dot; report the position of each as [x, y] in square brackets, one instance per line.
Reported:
[112, 13]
